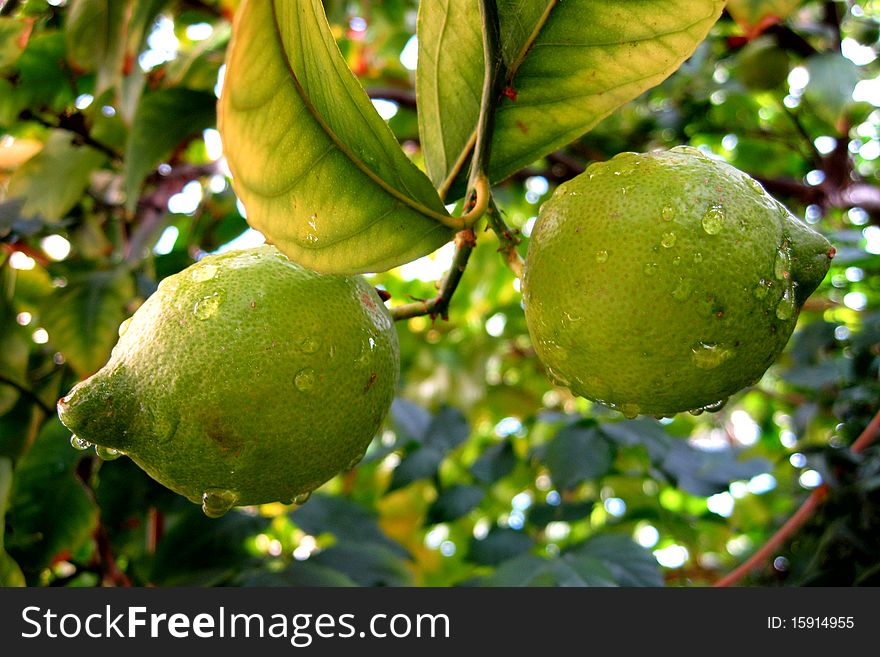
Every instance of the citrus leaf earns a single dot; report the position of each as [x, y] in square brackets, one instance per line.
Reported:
[578, 454]
[629, 563]
[367, 564]
[95, 33]
[570, 64]
[50, 511]
[449, 81]
[454, 502]
[318, 170]
[53, 181]
[162, 121]
[82, 318]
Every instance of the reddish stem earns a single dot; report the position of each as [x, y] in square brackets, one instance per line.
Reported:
[800, 516]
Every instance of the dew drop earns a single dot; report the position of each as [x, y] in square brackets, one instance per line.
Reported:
[761, 289]
[650, 269]
[107, 453]
[123, 328]
[601, 256]
[305, 379]
[667, 213]
[309, 345]
[698, 257]
[556, 376]
[302, 498]
[78, 443]
[204, 272]
[629, 410]
[715, 406]
[696, 411]
[676, 261]
[713, 219]
[207, 307]
[217, 501]
[708, 356]
[668, 240]
[689, 150]
[782, 265]
[354, 462]
[755, 185]
[785, 307]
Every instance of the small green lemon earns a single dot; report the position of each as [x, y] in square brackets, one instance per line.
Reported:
[244, 379]
[666, 281]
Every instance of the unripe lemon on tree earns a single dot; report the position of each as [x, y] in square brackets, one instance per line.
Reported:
[664, 282]
[244, 379]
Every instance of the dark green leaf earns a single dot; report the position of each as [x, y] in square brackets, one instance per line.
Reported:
[410, 419]
[421, 463]
[368, 564]
[202, 551]
[576, 569]
[496, 462]
[454, 502]
[164, 119]
[543, 514]
[10, 573]
[499, 545]
[447, 430]
[347, 520]
[524, 570]
[577, 454]
[629, 563]
[50, 511]
[297, 574]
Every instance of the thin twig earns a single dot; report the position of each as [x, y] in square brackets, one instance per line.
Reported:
[796, 521]
[75, 124]
[509, 239]
[27, 392]
[465, 241]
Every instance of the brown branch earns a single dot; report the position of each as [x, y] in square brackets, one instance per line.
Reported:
[75, 124]
[465, 241]
[796, 521]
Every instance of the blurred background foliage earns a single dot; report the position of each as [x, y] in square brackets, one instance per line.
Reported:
[112, 177]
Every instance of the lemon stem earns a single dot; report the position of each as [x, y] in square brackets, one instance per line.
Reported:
[465, 241]
[479, 193]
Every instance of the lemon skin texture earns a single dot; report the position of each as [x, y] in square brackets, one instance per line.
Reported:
[665, 282]
[244, 379]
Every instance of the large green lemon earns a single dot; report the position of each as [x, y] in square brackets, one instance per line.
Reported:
[666, 281]
[244, 379]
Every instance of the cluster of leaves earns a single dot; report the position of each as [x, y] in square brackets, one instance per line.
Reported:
[485, 474]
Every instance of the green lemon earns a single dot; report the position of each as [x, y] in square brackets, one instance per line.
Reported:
[666, 281]
[244, 379]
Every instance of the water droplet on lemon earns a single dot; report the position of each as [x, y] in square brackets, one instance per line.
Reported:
[713, 219]
[305, 379]
[217, 501]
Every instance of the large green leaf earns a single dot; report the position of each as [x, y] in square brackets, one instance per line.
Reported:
[162, 121]
[319, 171]
[449, 81]
[629, 563]
[82, 318]
[570, 64]
[53, 181]
[95, 32]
